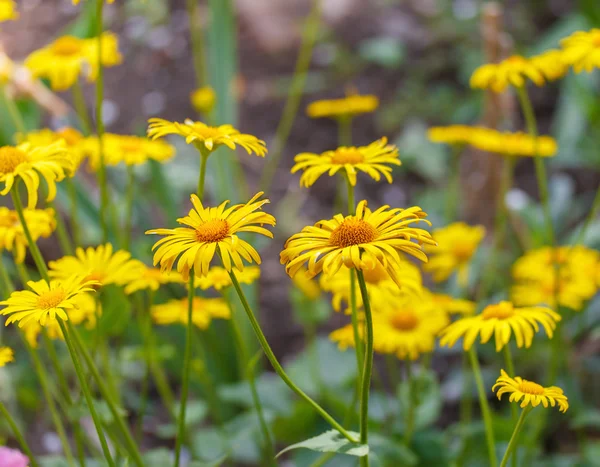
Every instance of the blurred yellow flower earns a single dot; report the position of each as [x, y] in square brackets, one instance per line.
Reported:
[452, 134]
[203, 311]
[581, 50]
[46, 301]
[454, 306]
[7, 69]
[72, 139]
[536, 263]
[68, 57]
[513, 144]
[307, 285]
[501, 321]
[515, 71]
[208, 229]
[379, 283]
[152, 279]
[86, 311]
[203, 99]
[41, 223]
[7, 355]
[207, 138]
[551, 63]
[99, 264]
[132, 150]
[347, 107]
[369, 159]
[361, 242]
[344, 336]
[529, 392]
[76, 2]
[8, 10]
[456, 245]
[27, 163]
[218, 277]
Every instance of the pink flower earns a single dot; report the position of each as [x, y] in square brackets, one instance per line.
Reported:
[12, 458]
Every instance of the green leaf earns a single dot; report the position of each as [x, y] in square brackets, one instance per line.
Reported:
[158, 458]
[195, 413]
[392, 451]
[331, 441]
[588, 419]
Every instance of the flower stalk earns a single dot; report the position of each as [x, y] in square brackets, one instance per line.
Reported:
[514, 439]
[19, 437]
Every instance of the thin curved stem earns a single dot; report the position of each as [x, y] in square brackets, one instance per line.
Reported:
[345, 131]
[61, 231]
[73, 213]
[197, 41]
[514, 439]
[81, 108]
[86, 392]
[511, 372]
[292, 104]
[14, 113]
[367, 366]
[485, 408]
[18, 436]
[202, 177]
[591, 216]
[187, 358]
[277, 366]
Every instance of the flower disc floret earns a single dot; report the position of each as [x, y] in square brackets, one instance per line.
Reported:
[530, 393]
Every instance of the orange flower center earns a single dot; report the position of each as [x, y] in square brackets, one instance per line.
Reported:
[596, 40]
[70, 135]
[529, 387]
[207, 132]
[463, 250]
[347, 156]
[51, 299]
[502, 310]
[212, 231]
[10, 159]
[404, 320]
[376, 275]
[95, 276]
[352, 231]
[67, 46]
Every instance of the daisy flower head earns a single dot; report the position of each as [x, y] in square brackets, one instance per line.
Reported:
[452, 134]
[358, 241]
[132, 150]
[346, 107]
[208, 229]
[27, 163]
[99, 264]
[218, 278]
[68, 57]
[551, 63]
[513, 144]
[456, 245]
[203, 311]
[581, 50]
[454, 306]
[207, 138]
[45, 301]
[203, 99]
[306, 284]
[41, 223]
[513, 71]
[371, 159]
[72, 139]
[501, 321]
[7, 355]
[8, 10]
[151, 279]
[530, 393]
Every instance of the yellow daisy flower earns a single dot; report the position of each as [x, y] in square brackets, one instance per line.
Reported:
[369, 159]
[453, 134]
[218, 277]
[46, 301]
[203, 311]
[99, 264]
[456, 245]
[86, 311]
[347, 107]
[379, 283]
[203, 99]
[27, 163]
[7, 355]
[501, 321]
[360, 241]
[306, 284]
[72, 139]
[454, 306]
[551, 63]
[8, 10]
[207, 138]
[208, 229]
[513, 144]
[68, 57]
[152, 279]
[529, 392]
[132, 150]
[41, 223]
[574, 259]
[515, 71]
[581, 50]
[344, 336]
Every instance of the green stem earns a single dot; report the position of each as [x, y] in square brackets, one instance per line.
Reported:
[102, 181]
[514, 439]
[511, 372]
[247, 372]
[367, 367]
[202, 177]
[392, 370]
[61, 231]
[345, 131]
[73, 213]
[485, 408]
[81, 108]
[86, 392]
[197, 42]
[5, 280]
[292, 103]
[466, 405]
[591, 216]
[452, 201]
[14, 113]
[19, 437]
[277, 366]
[187, 359]
[410, 413]
[129, 207]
